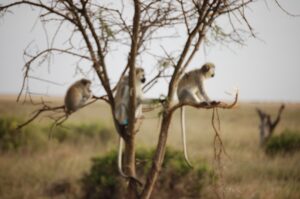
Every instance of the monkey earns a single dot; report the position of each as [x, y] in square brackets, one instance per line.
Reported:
[121, 111]
[123, 94]
[77, 94]
[191, 90]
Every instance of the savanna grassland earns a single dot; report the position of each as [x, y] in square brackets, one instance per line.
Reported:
[42, 167]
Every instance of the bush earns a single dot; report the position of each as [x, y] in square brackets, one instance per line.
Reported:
[9, 138]
[286, 142]
[102, 181]
[12, 138]
[177, 180]
[77, 133]
[36, 137]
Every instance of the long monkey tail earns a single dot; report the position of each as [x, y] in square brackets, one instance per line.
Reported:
[183, 134]
[120, 152]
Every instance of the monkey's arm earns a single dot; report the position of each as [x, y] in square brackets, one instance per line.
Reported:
[151, 100]
[122, 103]
[121, 114]
[150, 104]
[202, 92]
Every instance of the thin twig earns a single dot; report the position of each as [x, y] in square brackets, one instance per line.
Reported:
[285, 11]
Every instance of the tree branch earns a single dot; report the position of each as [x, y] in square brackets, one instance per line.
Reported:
[40, 5]
[204, 105]
[102, 73]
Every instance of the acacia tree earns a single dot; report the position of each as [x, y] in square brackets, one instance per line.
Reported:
[102, 25]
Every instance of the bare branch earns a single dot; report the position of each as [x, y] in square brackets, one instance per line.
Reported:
[204, 105]
[185, 17]
[40, 5]
[285, 11]
[45, 108]
[58, 121]
[101, 69]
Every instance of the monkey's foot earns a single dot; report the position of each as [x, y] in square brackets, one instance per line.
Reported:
[214, 103]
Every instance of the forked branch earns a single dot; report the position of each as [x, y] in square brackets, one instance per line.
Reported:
[267, 126]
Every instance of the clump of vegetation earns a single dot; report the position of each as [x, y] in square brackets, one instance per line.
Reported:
[8, 134]
[12, 138]
[103, 180]
[77, 133]
[36, 137]
[177, 180]
[286, 142]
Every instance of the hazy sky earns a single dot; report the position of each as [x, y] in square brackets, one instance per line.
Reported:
[267, 68]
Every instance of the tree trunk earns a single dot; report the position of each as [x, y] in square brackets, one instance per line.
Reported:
[129, 167]
[267, 126]
[158, 157]
[130, 143]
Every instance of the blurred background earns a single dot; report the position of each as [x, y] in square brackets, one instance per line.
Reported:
[71, 165]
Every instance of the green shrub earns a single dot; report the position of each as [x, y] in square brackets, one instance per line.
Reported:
[9, 138]
[286, 142]
[12, 138]
[176, 180]
[36, 137]
[102, 181]
[77, 133]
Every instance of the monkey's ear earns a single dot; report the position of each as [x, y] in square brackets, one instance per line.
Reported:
[205, 68]
[139, 70]
[85, 81]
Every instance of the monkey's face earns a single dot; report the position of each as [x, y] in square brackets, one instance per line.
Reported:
[140, 75]
[87, 83]
[209, 70]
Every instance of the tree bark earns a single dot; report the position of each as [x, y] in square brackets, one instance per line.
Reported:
[129, 154]
[158, 157]
[129, 167]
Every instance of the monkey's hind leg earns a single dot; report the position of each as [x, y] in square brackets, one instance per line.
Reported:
[188, 97]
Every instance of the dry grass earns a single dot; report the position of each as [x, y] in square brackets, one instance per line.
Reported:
[248, 173]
